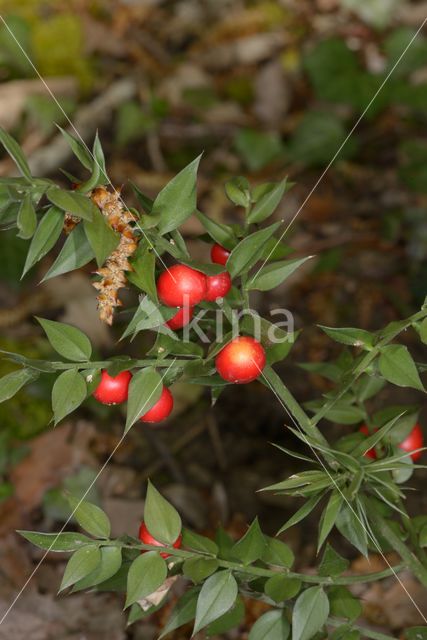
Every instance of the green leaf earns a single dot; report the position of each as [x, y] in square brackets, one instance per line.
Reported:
[273, 274]
[111, 561]
[72, 202]
[16, 153]
[238, 191]
[145, 390]
[278, 553]
[68, 341]
[66, 541]
[198, 569]
[344, 632]
[220, 233]
[161, 518]
[178, 199]
[423, 331]
[280, 587]
[79, 149]
[349, 336]
[27, 219]
[68, 393]
[196, 542]
[343, 604]
[310, 613]
[416, 633]
[270, 626]
[258, 148]
[143, 274]
[216, 597]
[82, 563]
[11, 383]
[101, 237]
[267, 203]
[90, 517]
[329, 516]
[299, 515]
[248, 251]
[75, 253]
[183, 613]
[398, 367]
[229, 620]
[423, 536]
[251, 546]
[341, 412]
[45, 236]
[349, 524]
[149, 316]
[146, 574]
[332, 563]
[144, 200]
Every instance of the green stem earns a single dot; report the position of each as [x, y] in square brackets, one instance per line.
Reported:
[172, 363]
[408, 556]
[365, 631]
[266, 573]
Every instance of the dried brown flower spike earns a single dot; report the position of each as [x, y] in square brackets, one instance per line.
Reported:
[112, 273]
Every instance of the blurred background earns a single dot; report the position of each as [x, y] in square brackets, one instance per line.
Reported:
[264, 89]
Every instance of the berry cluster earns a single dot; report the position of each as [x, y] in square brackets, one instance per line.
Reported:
[240, 361]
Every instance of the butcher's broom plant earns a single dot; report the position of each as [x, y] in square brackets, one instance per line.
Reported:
[356, 485]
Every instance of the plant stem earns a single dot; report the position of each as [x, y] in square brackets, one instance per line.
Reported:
[267, 573]
[365, 631]
[172, 363]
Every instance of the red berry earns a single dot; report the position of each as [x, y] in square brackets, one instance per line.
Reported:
[241, 360]
[161, 409]
[113, 390]
[181, 318]
[219, 254]
[413, 441]
[180, 286]
[146, 538]
[217, 286]
[371, 453]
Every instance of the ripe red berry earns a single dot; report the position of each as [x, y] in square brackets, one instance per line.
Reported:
[413, 441]
[161, 409]
[219, 254]
[146, 538]
[182, 317]
[180, 285]
[241, 360]
[113, 390]
[217, 286]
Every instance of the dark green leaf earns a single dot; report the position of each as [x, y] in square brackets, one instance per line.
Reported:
[216, 597]
[280, 587]
[75, 253]
[66, 541]
[270, 626]
[68, 341]
[145, 390]
[329, 516]
[248, 251]
[11, 383]
[101, 236]
[111, 561]
[349, 524]
[229, 620]
[16, 153]
[79, 149]
[196, 542]
[258, 148]
[161, 518]
[299, 515]
[310, 613]
[398, 367]
[146, 574]
[184, 612]
[251, 546]
[142, 275]
[238, 191]
[27, 219]
[82, 563]
[178, 199]
[220, 233]
[343, 604]
[278, 553]
[45, 236]
[72, 202]
[198, 569]
[271, 275]
[68, 393]
[268, 202]
[332, 563]
[349, 336]
[90, 517]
